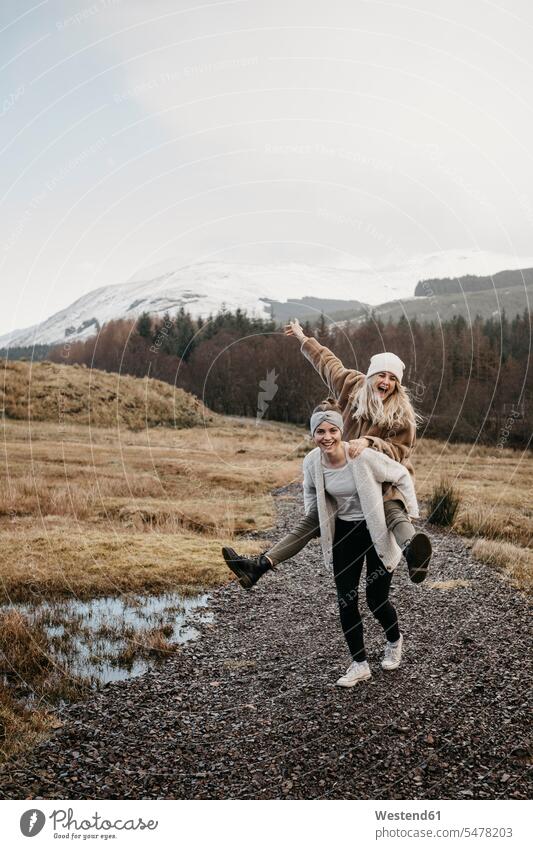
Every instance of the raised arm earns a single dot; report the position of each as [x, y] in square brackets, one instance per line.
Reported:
[339, 380]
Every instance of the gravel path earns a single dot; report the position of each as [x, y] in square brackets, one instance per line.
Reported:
[250, 710]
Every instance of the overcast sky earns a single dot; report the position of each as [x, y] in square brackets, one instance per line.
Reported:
[333, 132]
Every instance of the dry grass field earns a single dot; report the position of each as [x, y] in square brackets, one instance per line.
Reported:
[113, 486]
[88, 511]
[95, 503]
[496, 507]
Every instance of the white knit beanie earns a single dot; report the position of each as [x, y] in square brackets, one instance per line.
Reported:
[386, 362]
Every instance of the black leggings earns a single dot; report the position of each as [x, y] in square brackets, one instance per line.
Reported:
[351, 544]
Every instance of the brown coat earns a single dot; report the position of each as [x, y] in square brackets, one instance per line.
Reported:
[343, 383]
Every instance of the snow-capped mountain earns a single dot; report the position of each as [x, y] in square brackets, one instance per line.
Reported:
[202, 288]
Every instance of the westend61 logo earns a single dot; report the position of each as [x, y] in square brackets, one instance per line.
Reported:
[33, 820]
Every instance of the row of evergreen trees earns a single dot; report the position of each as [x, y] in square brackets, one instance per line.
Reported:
[25, 352]
[467, 380]
[179, 336]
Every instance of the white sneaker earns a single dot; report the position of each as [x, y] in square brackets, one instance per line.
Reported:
[355, 672]
[393, 654]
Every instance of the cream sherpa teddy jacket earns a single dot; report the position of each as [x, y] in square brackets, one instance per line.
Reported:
[370, 469]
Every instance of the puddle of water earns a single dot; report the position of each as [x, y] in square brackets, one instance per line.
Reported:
[87, 637]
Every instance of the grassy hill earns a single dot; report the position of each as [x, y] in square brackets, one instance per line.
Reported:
[474, 283]
[487, 304]
[74, 394]
[310, 309]
[507, 291]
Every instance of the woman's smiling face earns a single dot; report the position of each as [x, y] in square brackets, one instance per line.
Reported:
[384, 384]
[327, 436]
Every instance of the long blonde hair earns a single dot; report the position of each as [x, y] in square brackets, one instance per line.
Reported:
[397, 412]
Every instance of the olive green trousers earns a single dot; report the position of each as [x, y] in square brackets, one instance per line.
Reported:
[308, 528]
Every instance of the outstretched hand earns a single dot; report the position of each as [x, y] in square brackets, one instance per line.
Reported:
[294, 328]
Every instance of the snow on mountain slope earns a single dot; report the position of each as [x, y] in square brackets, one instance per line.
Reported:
[202, 288]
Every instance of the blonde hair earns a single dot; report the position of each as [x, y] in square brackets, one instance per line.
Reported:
[396, 412]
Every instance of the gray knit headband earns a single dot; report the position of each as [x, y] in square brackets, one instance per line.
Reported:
[330, 416]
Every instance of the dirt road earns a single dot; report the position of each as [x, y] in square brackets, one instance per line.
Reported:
[250, 710]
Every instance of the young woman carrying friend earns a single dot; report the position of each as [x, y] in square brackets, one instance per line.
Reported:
[376, 413]
[346, 495]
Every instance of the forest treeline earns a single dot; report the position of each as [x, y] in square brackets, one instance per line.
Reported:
[469, 380]
[36, 353]
[474, 283]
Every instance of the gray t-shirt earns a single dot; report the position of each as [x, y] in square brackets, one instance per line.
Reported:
[340, 484]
